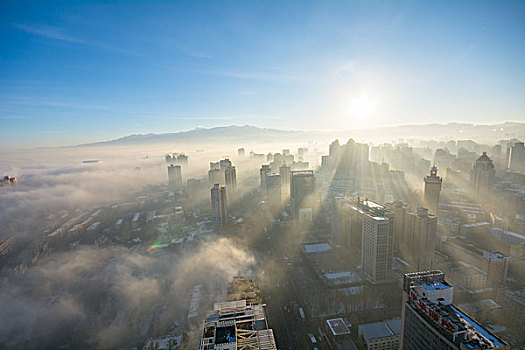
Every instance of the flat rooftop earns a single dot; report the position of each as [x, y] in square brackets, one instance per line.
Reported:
[435, 286]
[338, 326]
[316, 248]
[383, 329]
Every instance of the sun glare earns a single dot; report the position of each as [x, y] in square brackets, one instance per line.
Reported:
[362, 108]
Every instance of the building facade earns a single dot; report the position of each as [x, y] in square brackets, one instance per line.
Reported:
[432, 190]
[429, 319]
[219, 204]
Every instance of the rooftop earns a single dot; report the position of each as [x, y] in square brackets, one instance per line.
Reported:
[316, 248]
[435, 285]
[382, 329]
[338, 326]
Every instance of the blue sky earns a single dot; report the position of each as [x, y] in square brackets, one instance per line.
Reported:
[78, 71]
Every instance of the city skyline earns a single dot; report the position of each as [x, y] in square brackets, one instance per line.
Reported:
[96, 71]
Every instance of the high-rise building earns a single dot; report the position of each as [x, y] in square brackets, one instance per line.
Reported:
[377, 241]
[265, 170]
[241, 152]
[496, 265]
[225, 163]
[274, 190]
[303, 195]
[215, 176]
[230, 179]
[347, 224]
[482, 178]
[215, 166]
[284, 171]
[429, 319]
[237, 325]
[219, 204]
[182, 159]
[415, 235]
[516, 160]
[432, 190]
[174, 176]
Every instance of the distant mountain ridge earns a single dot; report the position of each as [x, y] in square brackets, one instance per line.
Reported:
[251, 134]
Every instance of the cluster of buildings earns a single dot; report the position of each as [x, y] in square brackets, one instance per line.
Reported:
[8, 181]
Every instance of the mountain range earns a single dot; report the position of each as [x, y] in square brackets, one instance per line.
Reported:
[490, 133]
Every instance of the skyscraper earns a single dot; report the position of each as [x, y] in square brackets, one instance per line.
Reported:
[429, 320]
[432, 190]
[421, 228]
[303, 196]
[377, 242]
[225, 163]
[265, 170]
[482, 178]
[516, 161]
[230, 179]
[219, 204]
[274, 190]
[215, 176]
[415, 235]
[174, 176]
[241, 152]
[284, 171]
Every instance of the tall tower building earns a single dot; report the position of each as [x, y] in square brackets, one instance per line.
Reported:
[230, 179]
[347, 224]
[432, 190]
[429, 319]
[219, 204]
[285, 172]
[419, 239]
[303, 196]
[174, 176]
[274, 190]
[265, 170]
[482, 178]
[241, 152]
[378, 241]
[225, 163]
[516, 161]
[215, 176]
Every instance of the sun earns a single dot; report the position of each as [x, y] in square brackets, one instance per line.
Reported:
[362, 108]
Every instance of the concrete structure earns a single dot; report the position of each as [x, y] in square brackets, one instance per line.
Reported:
[285, 173]
[236, 325]
[432, 190]
[431, 321]
[174, 176]
[496, 265]
[219, 204]
[225, 163]
[274, 190]
[482, 178]
[230, 179]
[377, 242]
[415, 235]
[265, 170]
[303, 195]
[215, 176]
[382, 335]
[241, 152]
[516, 161]
[347, 224]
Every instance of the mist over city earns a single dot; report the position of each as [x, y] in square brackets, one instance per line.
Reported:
[262, 175]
